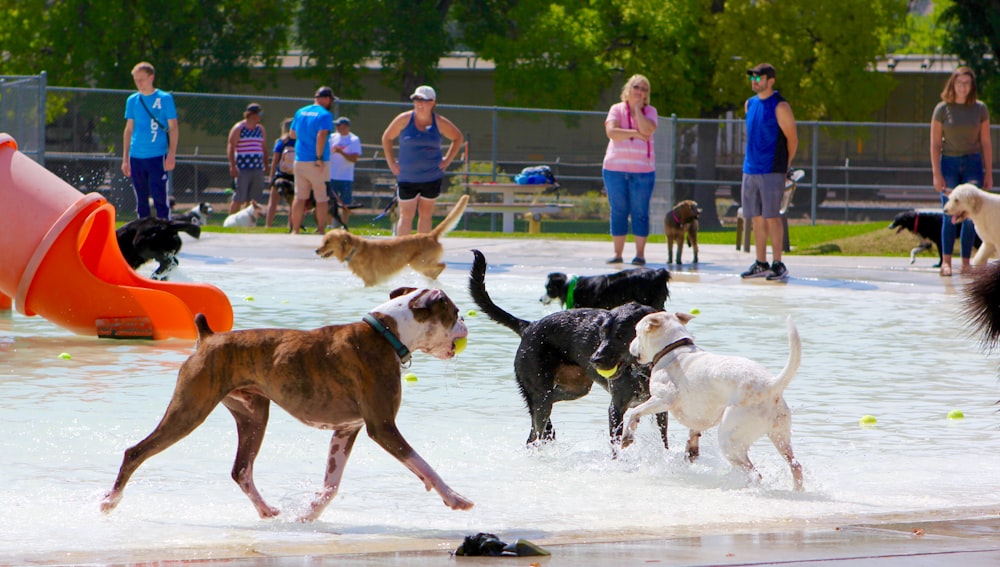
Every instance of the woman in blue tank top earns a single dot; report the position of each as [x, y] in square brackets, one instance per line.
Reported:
[421, 165]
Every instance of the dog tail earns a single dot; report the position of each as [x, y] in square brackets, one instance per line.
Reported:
[201, 322]
[477, 289]
[981, 304]
[794, 356]
[188, 226]
[450, 221]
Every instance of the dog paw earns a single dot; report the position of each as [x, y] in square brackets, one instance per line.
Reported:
[456, 501]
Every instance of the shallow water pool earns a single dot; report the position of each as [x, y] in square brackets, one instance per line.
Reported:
[900, 356]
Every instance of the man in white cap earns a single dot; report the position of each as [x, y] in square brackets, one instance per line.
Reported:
[345, 149]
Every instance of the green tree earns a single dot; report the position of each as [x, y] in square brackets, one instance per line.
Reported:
[974, 35]
[197, 45]
[407, 36]
[923, 32]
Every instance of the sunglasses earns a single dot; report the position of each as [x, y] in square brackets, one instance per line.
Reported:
[755, 77]
[418, 99]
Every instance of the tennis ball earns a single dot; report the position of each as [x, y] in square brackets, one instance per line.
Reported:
[410, 377]
[248, 298]
[65, 356]
[956, 414]
[868, 420]
[460, 344]
[228, 191]
[607, 373]
[472, 313]
[696, 311]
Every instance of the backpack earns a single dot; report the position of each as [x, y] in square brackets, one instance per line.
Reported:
[537, 175]
[286, 164]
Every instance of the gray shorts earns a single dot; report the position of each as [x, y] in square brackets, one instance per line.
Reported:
[249, 185]
[761, 195]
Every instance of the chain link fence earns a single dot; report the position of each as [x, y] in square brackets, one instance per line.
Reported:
[854, 171]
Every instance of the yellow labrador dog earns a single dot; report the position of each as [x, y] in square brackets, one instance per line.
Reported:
[377, 260]
[970, 202]
[702, 390]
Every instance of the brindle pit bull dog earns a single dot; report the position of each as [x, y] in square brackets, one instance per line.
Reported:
[339, 377]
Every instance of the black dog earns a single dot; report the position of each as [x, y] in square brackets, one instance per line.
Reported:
[926, 225]
[642, 285]
[553, 361]
[151, 238]
[981, 303]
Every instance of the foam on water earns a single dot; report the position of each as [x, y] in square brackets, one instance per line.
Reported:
[865, 351]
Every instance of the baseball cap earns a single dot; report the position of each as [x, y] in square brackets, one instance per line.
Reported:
[424, 92]
[765, 69]
[254, 108]
[324, 92]
[342, 120]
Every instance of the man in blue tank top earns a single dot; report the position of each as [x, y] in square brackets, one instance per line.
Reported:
[771, 144]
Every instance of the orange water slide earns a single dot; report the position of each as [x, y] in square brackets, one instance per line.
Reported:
[59, 258]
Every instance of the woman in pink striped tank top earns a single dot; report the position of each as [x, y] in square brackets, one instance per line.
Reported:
[630, 166]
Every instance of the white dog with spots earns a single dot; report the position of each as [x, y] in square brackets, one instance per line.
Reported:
[702, 390]
[970, 202]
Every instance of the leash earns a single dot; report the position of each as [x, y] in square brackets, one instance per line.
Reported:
[570, 290]
[401, 350]
[686, 341]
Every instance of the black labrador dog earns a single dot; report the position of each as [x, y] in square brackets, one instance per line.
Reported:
[151, 238]
[926, 225]
[553, 360]
[642, 285]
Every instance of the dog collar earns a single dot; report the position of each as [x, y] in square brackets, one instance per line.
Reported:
[686, 341]
[351, 255]
[677, 219]
[570, 290]
[401, 350]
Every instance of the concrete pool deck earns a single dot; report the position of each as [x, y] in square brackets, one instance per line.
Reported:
[968, 537]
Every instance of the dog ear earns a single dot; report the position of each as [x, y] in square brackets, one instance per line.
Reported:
[400, 291]
[684, 317]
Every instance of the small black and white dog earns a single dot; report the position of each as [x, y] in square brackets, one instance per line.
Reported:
[642, 285]
[198, 214]
[151, 238]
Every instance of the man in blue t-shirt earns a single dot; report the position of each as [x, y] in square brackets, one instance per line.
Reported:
[310, 127]
[771, 144]
[149, 141]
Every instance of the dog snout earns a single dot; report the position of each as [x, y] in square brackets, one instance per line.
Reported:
[635, 349]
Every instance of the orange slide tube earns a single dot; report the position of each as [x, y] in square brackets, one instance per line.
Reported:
[59, 258]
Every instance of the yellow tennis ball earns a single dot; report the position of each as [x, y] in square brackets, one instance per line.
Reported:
[956, 414]
[696, 311]
[248, 298]
[410, 377]
[460, 344]
[472, 313]
[607, 373]
[868, 420]
[65, 356]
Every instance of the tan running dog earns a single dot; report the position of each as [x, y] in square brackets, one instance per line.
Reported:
[702, 390]
[680, 225]
[339, 377]
[970, 202]
[376, 260]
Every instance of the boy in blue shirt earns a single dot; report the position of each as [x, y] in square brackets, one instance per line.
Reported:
[149, 141]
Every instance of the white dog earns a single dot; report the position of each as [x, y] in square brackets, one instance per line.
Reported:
[702, 390]
[970, 202]
[245, 217]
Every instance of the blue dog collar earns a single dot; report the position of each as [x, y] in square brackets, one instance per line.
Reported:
[401, 350]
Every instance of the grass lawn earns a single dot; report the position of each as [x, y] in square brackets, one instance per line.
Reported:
[856, 239]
